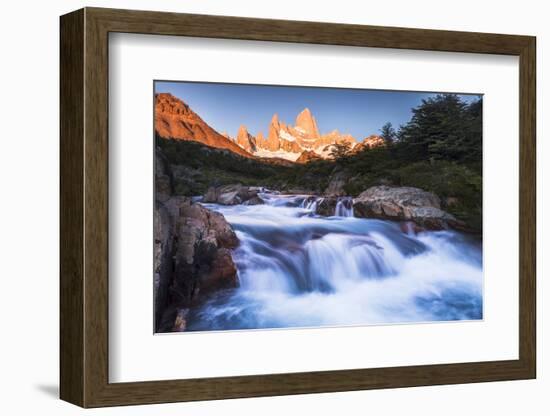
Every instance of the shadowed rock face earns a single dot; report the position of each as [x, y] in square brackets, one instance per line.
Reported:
[192, 253]
[175, 120]
[406, 204]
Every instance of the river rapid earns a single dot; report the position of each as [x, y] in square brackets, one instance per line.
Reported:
[298, 269]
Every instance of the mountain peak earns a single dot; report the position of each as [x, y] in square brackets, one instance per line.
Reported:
[245, 139]
[242, 130]
[306, 122]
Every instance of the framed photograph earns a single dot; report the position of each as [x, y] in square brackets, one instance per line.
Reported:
[255, 207]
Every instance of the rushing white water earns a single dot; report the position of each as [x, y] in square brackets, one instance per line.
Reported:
[297, 269]
[344, 207]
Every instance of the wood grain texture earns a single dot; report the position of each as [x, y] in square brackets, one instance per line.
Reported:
[84, 207]
[71, 158]
[527, 207]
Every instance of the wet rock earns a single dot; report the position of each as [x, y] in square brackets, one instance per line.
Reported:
[326, 206]
[230, 194]
[255, 200]
[406, 204]
[432, 218]
[180, 323]
[410, 227]
[222, 272]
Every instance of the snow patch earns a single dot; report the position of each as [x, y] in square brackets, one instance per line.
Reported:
[288, 137]
[324, 151]
[279, 153]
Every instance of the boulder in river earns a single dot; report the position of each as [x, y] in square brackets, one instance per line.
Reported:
[232, 194]
[405, 204]
[255, 200]
[326, 206]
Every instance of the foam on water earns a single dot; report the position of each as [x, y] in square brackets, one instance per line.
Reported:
[297, 269]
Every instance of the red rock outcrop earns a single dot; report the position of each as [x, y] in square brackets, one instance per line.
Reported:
[308, 156]
[272, 142]
[174, 119]
[307, 123]
[246, 140]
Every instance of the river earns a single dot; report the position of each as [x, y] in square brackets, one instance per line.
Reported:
[298, 269]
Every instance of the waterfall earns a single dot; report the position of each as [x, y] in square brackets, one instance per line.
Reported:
[298, 270]
[344, 207]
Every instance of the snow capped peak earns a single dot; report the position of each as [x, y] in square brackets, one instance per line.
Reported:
[289, 142]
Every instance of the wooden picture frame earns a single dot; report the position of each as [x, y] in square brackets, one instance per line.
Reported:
[84, 207]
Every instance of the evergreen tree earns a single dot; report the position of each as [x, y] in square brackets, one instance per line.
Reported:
[340, 150]
[388, 133]
[442, 128]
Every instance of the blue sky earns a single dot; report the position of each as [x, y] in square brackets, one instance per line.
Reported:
[358, 112]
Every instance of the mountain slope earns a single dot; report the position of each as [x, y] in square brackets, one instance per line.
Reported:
[175, 120]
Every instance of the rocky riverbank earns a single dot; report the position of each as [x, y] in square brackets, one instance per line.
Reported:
[193, 244]
[405, 204]
[418, 209]
[192, 256]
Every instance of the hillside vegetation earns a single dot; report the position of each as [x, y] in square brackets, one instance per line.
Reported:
[438, 150]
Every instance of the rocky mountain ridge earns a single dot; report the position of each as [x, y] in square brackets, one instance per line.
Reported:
[296, 143]
[301, 142]
[175, 120]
